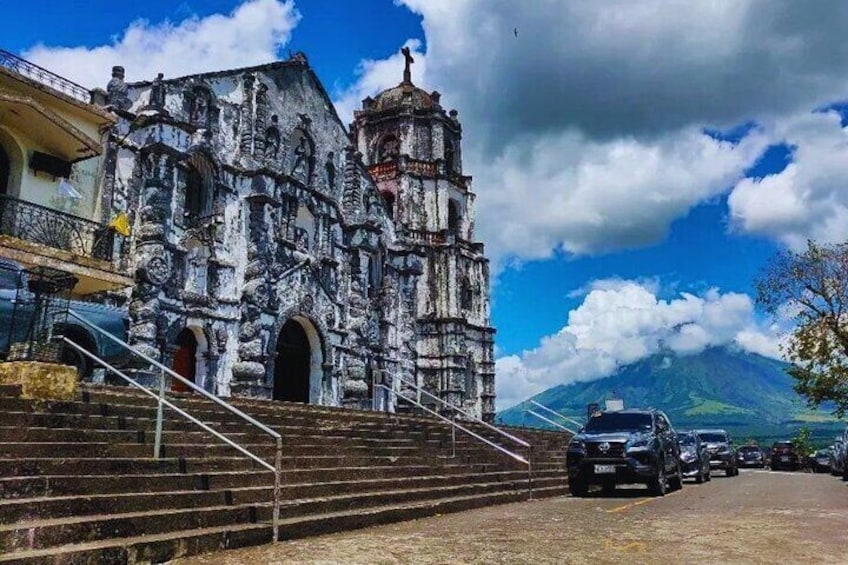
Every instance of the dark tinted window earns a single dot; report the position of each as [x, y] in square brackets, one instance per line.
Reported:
[713, 437]
[616, 421]
[748, 449]
[8, 278]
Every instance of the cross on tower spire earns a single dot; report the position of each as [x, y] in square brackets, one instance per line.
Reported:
[408, 60]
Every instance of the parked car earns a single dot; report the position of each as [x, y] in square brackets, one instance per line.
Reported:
[18, 311]
[819, 461]
[720, 448]
[624, 446]
[837, 457]
[784, 455]
[694, 457]
[750, 456]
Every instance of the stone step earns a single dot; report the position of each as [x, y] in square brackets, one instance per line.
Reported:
[210, 450]
[177, 423]
[9, 434]
[159, 548]
[66, 485]
[296, 498]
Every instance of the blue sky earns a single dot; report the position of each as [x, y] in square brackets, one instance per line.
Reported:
[631, 159]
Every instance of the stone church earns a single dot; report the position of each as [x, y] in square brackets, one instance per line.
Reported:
[278, 254]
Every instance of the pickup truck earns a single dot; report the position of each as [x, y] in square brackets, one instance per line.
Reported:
[17, 309]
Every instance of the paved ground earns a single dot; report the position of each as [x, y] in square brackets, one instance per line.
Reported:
[757, 517]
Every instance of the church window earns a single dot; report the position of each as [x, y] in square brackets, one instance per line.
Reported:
[449, 157]
[389, 149]
[454, 217]
[198, 182]
[375, 273]
[390, 203]
[466, 295]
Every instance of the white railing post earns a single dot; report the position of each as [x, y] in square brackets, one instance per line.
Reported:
[453, 434]
[160, 413]
[278, 471]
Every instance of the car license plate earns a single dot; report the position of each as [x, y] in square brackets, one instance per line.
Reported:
[784, 458]
[604, 469]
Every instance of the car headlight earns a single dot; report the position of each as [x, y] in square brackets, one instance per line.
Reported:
[576, 445]
[638, 444]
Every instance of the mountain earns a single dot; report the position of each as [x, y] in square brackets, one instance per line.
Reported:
[746, 393]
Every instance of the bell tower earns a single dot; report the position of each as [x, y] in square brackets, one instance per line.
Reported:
[412, 148]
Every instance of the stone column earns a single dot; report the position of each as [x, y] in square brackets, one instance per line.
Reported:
[246, 111]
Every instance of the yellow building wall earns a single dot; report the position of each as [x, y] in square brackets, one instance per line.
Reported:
[43, 189]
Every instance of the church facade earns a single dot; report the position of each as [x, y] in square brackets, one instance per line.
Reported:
[278, 254]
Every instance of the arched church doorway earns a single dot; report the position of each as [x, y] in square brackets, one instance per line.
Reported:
[185, 360]
[297, 369]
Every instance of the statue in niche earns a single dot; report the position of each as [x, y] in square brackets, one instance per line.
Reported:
[272, 139]
[117, 90]
[303, 159]
[157, 93]
[200, 107]
[330, 167]
[389, 149]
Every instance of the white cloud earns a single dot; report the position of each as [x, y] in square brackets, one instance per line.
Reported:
[374, 76]
[251, 34]
[808, 199]
[596, 196]
[621, 322]
[593, 113]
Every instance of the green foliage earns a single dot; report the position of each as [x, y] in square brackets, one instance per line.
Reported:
[803, 442]
[812, 286]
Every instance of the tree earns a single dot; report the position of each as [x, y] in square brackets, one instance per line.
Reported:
[811, 287]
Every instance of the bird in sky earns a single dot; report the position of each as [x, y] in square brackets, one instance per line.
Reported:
[515, 31]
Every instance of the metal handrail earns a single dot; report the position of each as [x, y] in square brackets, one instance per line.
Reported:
[455, 426]
[549, 421]
[453, 423]
[555, 413]
[162, 402]
[476, 420]
[167, 403]
[42, 75]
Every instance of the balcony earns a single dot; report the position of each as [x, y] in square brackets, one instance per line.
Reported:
[34, 235]
[43, 76]
[45, 226]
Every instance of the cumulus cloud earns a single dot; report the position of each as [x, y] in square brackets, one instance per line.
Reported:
[632, 68]
[595, 196]
[809, 198]
[595, 111]
[621, 322]
[251, 34]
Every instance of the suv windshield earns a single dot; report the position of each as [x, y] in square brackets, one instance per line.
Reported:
[687, 440]
[617, 421]
[748, 449]
[713, 437]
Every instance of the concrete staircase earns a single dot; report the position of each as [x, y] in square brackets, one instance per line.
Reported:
[79, 485]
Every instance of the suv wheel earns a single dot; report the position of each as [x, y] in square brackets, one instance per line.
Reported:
[676, 482]
[608, 487]
[577, 486]
[659, 484]
[701, 476]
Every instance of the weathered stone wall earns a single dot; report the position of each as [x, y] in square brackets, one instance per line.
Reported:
[288, 226]
[251, 206]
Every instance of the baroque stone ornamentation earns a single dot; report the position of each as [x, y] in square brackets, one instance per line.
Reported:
[307, 276]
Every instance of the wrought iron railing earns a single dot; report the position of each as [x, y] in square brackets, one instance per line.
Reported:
[32, 222]
[42, 75]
